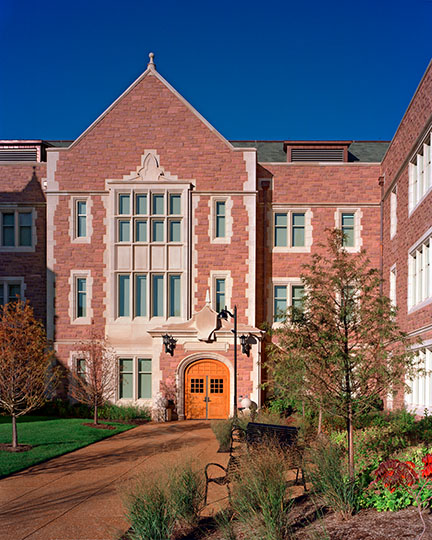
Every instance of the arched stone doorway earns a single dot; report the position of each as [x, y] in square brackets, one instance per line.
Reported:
[206, 390]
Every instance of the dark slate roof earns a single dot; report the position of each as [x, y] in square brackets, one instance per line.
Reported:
[59, 144]
[273, 151]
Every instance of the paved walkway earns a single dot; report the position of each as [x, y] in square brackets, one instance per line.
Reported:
[76, 496]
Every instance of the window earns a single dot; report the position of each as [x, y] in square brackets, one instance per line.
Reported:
[220, 294]
[81, 297]
[174, 296]
[392, 289]
[285, 296]
[126, 378]
[124, 295]
[81, 219]
[220, 219]
[10, 291]
[347, 226]
[420, 173]
[420, 397]
[393, 214]
[158, 295]
[144, 378]
[290, 230]
[298, 230]
[16, 229]
[280, 302]
[135, 378]
[419, 274]
[81, 368]
[140, 295]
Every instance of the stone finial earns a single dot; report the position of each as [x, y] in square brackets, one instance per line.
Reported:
[151, 64]
[207, 298]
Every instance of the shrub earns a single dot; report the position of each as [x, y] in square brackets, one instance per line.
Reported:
[258, 494]
[124, 412]
[149, 511]
[328, 473]
[222, 431]
[186, 489]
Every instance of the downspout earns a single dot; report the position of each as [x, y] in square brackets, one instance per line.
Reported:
[381, 183]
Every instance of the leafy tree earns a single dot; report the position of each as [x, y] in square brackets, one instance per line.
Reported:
[27, 375]
[344, 349]
[94, 375]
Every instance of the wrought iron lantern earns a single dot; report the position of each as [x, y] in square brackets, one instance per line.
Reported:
[169, 343]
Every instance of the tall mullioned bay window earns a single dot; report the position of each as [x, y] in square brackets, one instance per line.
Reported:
[148, 225]
[420, 273]
[420, 173]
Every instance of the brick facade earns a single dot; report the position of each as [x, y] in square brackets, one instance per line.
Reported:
[151, 140]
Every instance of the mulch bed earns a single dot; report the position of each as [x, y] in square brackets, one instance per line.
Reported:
[20, 448]
[98, 426]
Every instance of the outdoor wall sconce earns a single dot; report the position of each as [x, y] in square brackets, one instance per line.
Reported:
[169, 343]
[245, 345]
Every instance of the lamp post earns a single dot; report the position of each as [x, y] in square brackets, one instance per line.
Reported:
[224, 314]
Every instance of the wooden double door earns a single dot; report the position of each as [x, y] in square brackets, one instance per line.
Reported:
[207, 390]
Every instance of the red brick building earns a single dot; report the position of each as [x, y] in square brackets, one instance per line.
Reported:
[151, 222]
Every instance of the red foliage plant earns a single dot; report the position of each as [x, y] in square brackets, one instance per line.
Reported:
[394, 473]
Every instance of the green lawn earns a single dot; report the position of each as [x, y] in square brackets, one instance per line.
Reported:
[49, 437]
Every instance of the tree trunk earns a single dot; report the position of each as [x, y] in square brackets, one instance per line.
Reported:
[14, 432]
[303, 409]
[350, 442]
[319, 421]
[95, 413]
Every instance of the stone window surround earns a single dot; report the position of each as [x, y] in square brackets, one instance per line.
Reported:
[221, 274]
[282, 281]
[358, 214]
[73, 203]
[228, 219]
[16, 209]
[289, 210]
[14, 280]
[134, 399]
[74, 275]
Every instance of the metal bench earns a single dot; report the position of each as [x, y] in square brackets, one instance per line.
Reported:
[236, 444]
[284, 436]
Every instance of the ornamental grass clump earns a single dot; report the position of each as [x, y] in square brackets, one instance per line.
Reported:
[330, 480]
[392, 475]
[186, 489]
[259, 494]
[149, 511]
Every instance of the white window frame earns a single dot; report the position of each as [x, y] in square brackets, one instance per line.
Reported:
[420, 173]
[73, 219]
[420, 273]
[393, 212]
[289, 283]
[73, 297]
[289, 211]
[358, 214]
[16, 210]
[135, 378]
[420, 397]
[393, 285]
[228, 219]
[5, 281]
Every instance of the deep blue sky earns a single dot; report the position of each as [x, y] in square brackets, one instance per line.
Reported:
[255, 69]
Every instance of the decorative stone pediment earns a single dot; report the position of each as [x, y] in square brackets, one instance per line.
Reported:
[150, 170]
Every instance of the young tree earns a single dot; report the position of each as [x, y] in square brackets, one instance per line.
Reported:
[27, 375]
[94, 375]
[344, 350]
